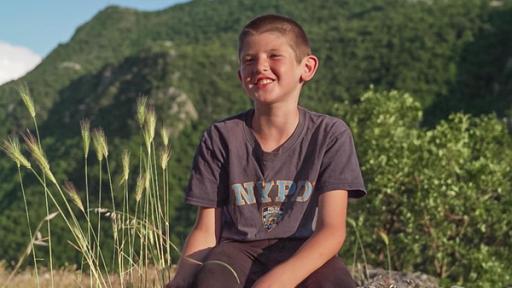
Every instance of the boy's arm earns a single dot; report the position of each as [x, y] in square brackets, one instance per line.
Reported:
[204, 235]
[325, 243]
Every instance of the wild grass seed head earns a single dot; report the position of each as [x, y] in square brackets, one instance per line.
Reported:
[141, 110]
[85, 128]
[151, 238]
[149, 128]
[126, 165]
[11, 146]
[38, 154]
[40, 243]
[100, 143]
[103, 142]
[51, 216]
[147, 140]
[164, 133]
[25, 96]
[71, 190]
[100, 210]
[165, 155]
[139, 188]
[384, 236]
[150, 123]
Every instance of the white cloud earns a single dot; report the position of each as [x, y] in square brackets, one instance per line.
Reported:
[16, 61]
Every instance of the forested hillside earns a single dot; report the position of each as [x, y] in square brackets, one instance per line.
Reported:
[450, 56]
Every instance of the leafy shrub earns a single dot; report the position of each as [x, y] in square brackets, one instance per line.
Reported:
[442, 196]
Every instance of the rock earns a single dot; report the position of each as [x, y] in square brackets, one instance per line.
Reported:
[380, 278]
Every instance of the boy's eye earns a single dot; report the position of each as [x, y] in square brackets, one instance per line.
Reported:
[248, 60]
[275, 56]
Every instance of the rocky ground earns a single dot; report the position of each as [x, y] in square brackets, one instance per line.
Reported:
[380, 278]
[70, 277]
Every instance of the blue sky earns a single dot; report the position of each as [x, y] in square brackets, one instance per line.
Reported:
[30, 29]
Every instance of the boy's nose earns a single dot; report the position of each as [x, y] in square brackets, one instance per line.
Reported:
[262, 65]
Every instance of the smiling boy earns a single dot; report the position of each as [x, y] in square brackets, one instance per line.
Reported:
[272, 183]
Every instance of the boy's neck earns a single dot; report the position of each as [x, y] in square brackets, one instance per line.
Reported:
[274, 124]
[274, 117]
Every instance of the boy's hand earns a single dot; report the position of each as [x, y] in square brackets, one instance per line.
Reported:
[325, 243]
[173, 284]
[276, 278]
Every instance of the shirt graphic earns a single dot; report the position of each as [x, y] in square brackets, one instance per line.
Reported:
[270, 195]
[271, 216]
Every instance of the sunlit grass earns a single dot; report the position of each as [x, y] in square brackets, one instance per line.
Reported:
[71, 276]
[141, 236]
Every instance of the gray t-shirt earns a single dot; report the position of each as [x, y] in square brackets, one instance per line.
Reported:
[267, 195]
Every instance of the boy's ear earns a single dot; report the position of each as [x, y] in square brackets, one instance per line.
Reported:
[239, 74]
[310, 66]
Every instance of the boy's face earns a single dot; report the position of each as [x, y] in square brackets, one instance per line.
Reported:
[269, 71]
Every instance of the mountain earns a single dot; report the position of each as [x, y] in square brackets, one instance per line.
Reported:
[416, 46]
[451, 55]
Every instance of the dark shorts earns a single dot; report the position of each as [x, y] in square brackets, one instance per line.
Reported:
[240, 264]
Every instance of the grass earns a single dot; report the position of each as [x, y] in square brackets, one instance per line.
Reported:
[71, 276]
[141, 236]
[359, 246]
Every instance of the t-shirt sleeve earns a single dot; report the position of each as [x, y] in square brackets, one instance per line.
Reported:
[206, 186]
[340, 168]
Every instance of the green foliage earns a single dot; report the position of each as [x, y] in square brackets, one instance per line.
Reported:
[441, 195]
[449, 55]
[394, 44]
[485, 68]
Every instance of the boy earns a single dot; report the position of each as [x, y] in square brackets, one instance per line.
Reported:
[271, 183]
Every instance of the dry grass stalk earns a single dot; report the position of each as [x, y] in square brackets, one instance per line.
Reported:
[69, 276]
[149, 227]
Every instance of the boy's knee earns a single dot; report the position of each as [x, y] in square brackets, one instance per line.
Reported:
[333, 274]
[215, 274]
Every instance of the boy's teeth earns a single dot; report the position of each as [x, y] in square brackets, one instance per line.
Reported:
[264, 81]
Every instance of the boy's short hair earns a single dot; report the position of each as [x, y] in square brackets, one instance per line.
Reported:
[283, 25]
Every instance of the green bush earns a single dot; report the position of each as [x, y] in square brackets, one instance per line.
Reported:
[442, 196]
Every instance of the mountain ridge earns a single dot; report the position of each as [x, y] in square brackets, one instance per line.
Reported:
[184, 58]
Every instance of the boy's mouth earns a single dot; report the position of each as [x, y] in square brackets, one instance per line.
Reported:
[262, 82]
